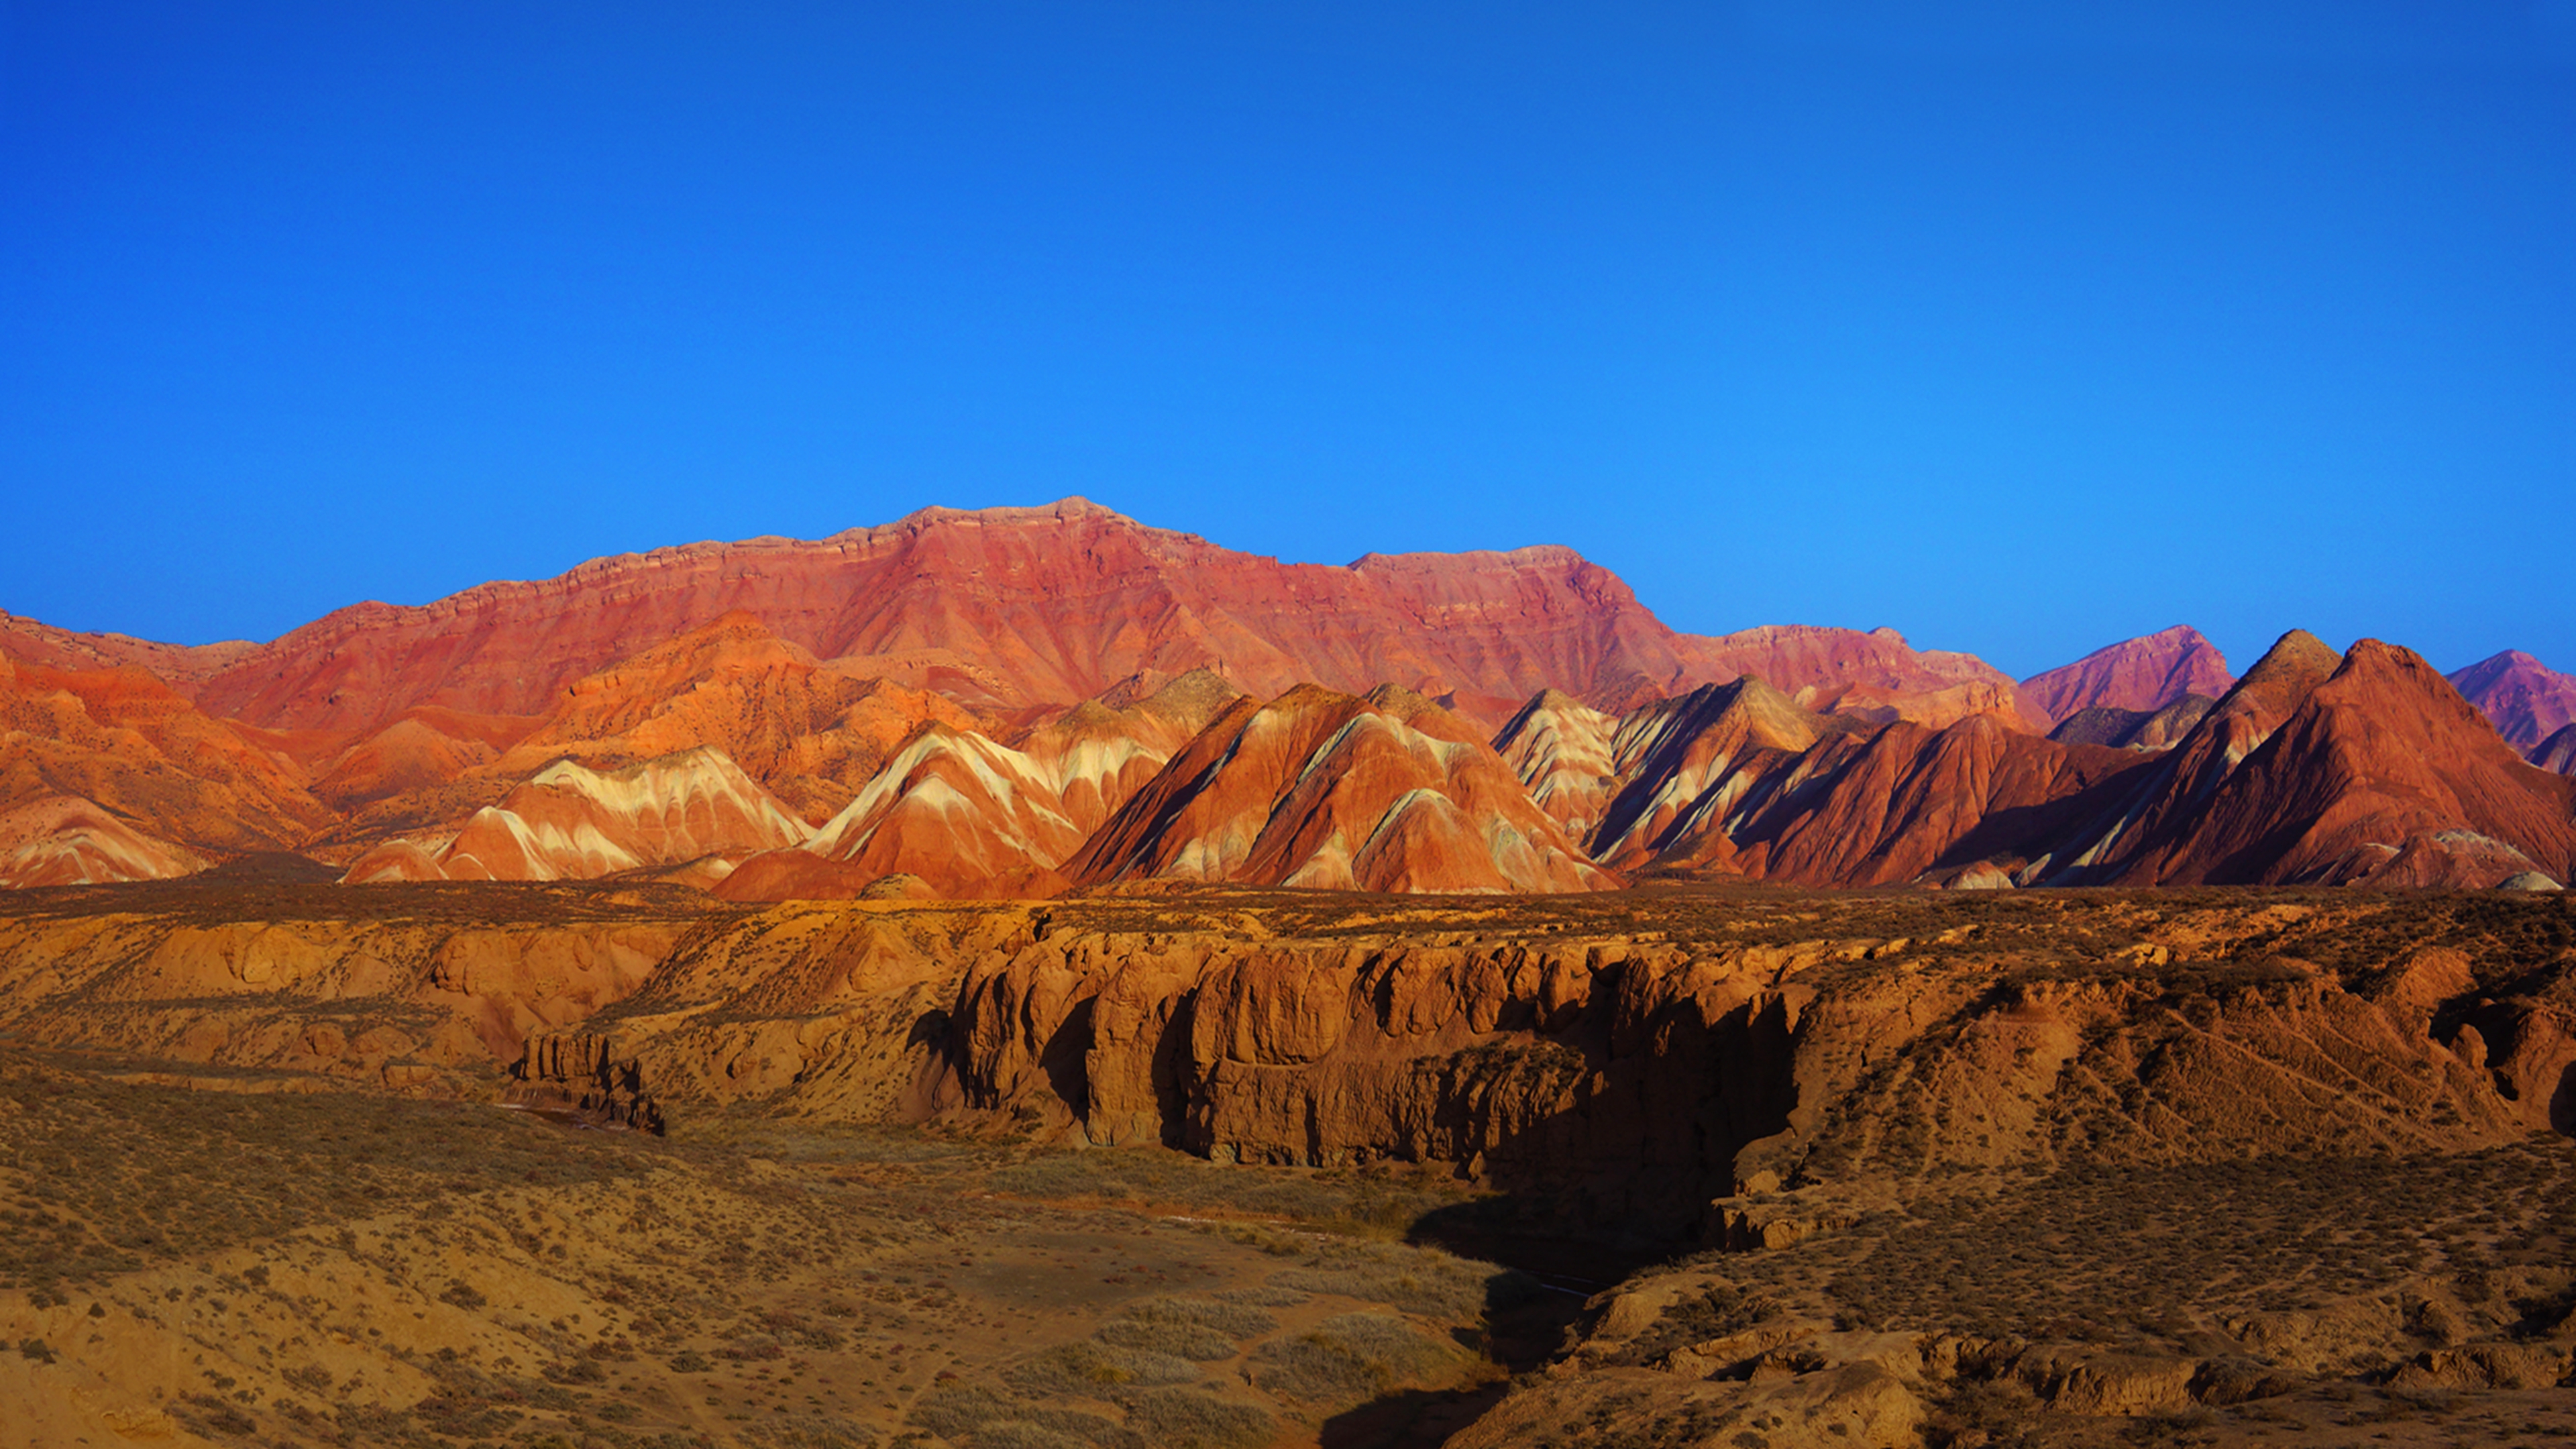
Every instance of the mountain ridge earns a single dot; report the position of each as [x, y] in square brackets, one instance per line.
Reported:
[1028, 675]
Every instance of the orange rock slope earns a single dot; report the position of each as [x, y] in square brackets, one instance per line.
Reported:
[1383, 793]
[65, 840]
[569, 822]
[134, 747]
[964, 815]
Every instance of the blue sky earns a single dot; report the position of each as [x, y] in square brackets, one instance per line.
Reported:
[2016, 331]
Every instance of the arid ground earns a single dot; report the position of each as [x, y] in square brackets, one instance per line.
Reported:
[286, 1163]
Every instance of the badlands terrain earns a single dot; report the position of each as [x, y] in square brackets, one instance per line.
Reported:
[1019, 702]
[1026, 978]
[291, 1162]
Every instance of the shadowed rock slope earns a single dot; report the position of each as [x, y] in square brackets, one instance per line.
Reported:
[2558, 752]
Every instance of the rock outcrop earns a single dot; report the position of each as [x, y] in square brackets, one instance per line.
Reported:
[999, 607]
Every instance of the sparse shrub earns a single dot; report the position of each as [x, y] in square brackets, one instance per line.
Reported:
[1347, 1357]
[1264, 1295]
[1192, 1419]
[1417, 1280]
[1055, 1429]
[953, 1413]
[1181, 1340]
[1096, 1370]
[1191, 1328]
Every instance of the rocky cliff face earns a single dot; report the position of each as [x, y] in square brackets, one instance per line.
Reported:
[1638, 1053]
[1646, 1057]
[1839, 1100]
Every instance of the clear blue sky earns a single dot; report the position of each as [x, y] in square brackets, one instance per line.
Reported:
[2018, 332]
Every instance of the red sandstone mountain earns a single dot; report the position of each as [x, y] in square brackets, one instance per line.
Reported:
[809, 663]
[1912, 804]
[1684, 764]
[2527, 700]
[2318, 769]
[1010, 607]
[1875, 676]
[1004, 691]
[996, 608]
[569, 822]
[2315, 769]
[966, 816]
[2144, 674]
[1560, 748]
[2383, 773]
[1737, 779]
[1319, 789]
[128, 744]
[2159, 815]
[65, 840]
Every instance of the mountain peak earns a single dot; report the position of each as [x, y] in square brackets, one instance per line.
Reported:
[2140, 675]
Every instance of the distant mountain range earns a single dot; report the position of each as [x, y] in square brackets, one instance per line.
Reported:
[1024, 701]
